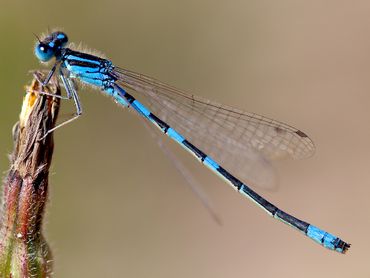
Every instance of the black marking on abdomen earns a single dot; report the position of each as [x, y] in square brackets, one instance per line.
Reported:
[299, 224]
[201, 155]
[272, 209]
[129, 98]
[237, 183]
[159, 122]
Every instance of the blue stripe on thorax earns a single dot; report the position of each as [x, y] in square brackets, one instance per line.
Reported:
[89, 69]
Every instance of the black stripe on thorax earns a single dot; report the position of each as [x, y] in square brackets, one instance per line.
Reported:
[84, 64]
[82, 55]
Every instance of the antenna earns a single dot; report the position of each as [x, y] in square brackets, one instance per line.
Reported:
[37, 37]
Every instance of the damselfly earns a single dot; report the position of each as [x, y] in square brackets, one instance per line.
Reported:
[220, 137]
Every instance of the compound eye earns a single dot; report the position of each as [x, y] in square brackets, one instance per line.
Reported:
[44, 52]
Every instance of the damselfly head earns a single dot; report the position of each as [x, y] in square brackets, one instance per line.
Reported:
[50, 46]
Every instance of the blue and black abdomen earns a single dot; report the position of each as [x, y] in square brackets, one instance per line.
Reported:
[89, 69]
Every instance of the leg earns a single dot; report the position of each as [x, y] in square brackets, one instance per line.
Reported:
[46, 81]
[53, 95]
[48, 77]
[67, 85]
[60, 125]
[71, 93]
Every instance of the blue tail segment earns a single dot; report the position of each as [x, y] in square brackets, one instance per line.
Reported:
[327, 240]
[323, 238]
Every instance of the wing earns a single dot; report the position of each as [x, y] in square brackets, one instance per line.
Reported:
[240, 141]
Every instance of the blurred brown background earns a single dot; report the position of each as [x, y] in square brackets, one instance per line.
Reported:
[118, 208]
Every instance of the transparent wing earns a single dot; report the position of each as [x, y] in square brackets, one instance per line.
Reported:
[190, 179]
[241, 142]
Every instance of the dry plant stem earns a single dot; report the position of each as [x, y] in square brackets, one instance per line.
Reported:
[23, 249]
